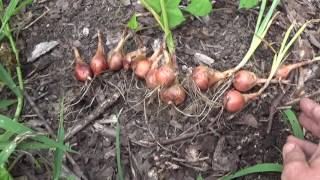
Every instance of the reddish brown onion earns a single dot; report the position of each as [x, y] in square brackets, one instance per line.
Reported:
[142, 68]
[166, 75]
[205, 77]
[98, 62]
[82, 69]
[116, 56]
[245, 80]
[151, 79]
[134, 56]
[284, 70]
[175, 94]
[234, 100]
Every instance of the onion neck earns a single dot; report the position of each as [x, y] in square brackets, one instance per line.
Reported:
[156, 54]
[215, 76]
[168, 60]
[125, 36]
[156, 62]
[78, 58]
[100, 49]
[251, 96]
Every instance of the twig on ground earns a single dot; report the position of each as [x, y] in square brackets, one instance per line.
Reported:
[275, 103]
[37, 19]
[173, 140]
[295, 101]
[93, 116]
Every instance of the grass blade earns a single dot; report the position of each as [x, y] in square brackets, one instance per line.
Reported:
[17, 128]
[295, 125]
[4, 174]
[266, 167]
[118, 150]
[261, 12]
[22, 5]
[58, 156]
[33, 146]
[8, 13]
[8, 81]
[6, 103]
[7, 151]
[199, 177]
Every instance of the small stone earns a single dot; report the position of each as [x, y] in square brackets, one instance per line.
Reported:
[125, 2]
[41, 49]
[85, 31]
[203, 59]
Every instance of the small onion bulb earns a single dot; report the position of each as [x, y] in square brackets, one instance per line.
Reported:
[82, 69]
[234, 100]
[98, 63]
[175, 94]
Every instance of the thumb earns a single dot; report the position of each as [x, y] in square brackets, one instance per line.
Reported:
[293, 154]
[294, 162]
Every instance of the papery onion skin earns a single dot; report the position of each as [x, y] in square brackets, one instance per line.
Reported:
[165, 75]
[115, 61]
[244, 80]
[200, 77]
[175, 94]
[283, 72]
[142, 68]
[151, 79]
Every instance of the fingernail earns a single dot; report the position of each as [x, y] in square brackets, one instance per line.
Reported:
[288, 148]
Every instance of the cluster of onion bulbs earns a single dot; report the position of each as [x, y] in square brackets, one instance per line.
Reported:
[150, 69]
[163, 74]
[243, 81]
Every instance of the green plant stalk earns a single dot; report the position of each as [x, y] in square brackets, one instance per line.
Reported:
[254, 45]
[264, 167]
[7, 32]
[118, 150]
[261, 30]
[261, 12]
[167, 31]
[155, 15]
[295, 125]
[279, 58]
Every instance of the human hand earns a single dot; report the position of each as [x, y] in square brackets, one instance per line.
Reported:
[301, 158]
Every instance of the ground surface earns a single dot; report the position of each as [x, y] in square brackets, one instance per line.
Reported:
[215, 143]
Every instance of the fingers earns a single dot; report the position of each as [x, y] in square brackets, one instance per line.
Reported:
[309, 124]
[294, 162]
[307, 147]
[293, 154]
[311, 109]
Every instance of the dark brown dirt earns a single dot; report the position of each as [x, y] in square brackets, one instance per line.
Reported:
[228, 144]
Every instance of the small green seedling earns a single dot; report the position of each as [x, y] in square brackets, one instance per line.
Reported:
[295, 125]
[169, 15]
[133, 22]
[118, 149]
[247, 4]
[259, 168]
[199, 177]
